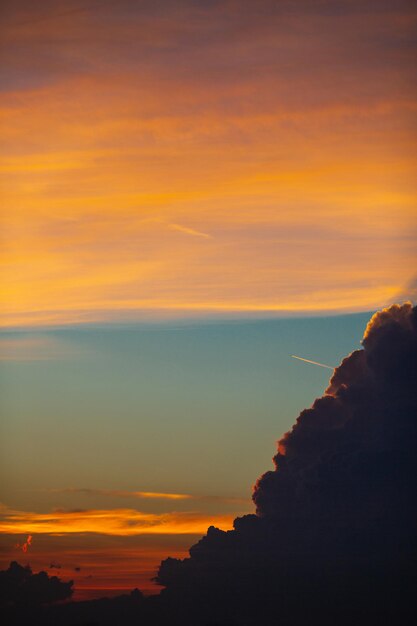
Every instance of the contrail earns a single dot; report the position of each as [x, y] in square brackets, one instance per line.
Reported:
[189, 231]
[329, 367]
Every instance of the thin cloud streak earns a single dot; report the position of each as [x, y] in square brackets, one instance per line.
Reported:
[189, 231]
[141, 309]
[120, 493]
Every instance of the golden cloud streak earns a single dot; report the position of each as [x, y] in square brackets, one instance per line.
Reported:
[156, 495]
[120, 493]
[119, 522]
[108, 310]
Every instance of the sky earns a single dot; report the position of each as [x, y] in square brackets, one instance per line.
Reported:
[120, 446]
[186, 157]
[191, 193]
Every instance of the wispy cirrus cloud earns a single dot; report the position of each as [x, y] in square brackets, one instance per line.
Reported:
[296, 181]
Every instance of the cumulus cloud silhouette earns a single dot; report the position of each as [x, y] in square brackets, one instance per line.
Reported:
[19, 587]
[333, 538]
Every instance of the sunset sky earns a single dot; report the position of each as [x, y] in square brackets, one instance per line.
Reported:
[191, 193]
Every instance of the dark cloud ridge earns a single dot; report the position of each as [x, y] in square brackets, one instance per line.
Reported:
[333, 538]
[20, 588]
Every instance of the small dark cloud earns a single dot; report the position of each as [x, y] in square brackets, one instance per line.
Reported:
[19, 587]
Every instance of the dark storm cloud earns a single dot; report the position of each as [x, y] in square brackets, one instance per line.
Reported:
[365, 414]
[334, 533]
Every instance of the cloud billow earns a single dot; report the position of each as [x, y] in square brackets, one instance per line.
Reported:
[333, 538]
[20, 588]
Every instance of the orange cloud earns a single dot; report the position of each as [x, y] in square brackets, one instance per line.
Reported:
[25, 545]
[119, 522]
[296, 189]
[118, 493]
[154, 495]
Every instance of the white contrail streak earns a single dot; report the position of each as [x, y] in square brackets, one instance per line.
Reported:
[329, 367]
[189, 231]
